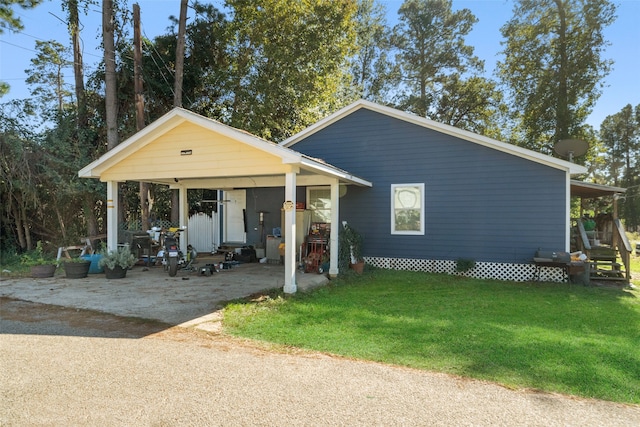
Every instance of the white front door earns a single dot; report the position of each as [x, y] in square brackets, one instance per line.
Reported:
[234, 211]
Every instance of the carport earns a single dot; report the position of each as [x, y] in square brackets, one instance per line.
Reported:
[190, 299]
[184, 150]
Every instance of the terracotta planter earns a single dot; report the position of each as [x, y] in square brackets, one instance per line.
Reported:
[115, 273]
[358, 267]
[76, 270]
[41, 271]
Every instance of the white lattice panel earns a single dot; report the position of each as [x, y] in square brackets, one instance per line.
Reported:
[482, 270]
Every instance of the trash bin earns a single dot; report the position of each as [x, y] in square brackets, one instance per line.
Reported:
[579, 272]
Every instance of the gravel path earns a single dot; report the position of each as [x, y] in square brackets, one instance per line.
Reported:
[64, 367]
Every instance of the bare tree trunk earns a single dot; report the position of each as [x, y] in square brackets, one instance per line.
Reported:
[110, 83]
[25, 226]
[177, 97]
[175, 207]
[90, 215]
[63, 228]
[137, 73]
[111, 101]
[182, 29]
[20, 229]
[78, 65]
[59, 90]
[81, 100]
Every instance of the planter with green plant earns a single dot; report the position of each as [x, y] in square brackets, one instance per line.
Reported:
[116, 263]
[350, 249]
[40, 263]
[76, 268]
[465, 264]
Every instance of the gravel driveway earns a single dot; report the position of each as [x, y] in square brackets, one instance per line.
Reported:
[61, 366]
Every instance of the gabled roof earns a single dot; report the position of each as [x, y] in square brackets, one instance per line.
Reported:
[572, 168]
[178, 116]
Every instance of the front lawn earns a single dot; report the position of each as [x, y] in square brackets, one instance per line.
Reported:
[564, 338]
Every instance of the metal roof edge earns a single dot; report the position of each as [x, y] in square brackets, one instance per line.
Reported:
[595, 186]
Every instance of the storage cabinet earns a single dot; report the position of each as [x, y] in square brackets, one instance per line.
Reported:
[273, 249]
[303, 221]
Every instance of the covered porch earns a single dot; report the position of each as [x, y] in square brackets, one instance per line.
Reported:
[601, 236]
[184, 150]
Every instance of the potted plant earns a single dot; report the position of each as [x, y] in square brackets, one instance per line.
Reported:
[116, 263]
[40, 264]
[350, 252]
[76, 268]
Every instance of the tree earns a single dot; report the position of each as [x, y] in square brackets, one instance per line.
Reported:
[8, 19]
[18, 183]
[83, 134]
[288, 63]
[46, 74]
[374, 73]
[78, 65]
[474, 104]
[620, 134]
[177, 102]
[553, 66]
[180, 46]
[439, 71]
[110, 81]
[204, 75]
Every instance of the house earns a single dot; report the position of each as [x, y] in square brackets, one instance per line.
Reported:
[421, 193]
[469, 196]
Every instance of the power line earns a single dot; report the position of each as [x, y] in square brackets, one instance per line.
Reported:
[158, 67]
[43, 40]
[18, 46]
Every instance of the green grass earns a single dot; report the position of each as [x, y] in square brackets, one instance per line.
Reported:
[577, 340]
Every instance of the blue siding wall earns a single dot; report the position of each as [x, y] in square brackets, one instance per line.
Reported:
[268, 200]
[480, 203]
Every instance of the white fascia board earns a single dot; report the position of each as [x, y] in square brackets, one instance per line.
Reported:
[324, 123]
[594, 186]
[571, 168]
[169, 121]
[287, 155]
[93, 169]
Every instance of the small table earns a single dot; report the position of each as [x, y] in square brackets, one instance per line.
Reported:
[568, 268]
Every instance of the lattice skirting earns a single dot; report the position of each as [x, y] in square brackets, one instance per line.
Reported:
[482, 270]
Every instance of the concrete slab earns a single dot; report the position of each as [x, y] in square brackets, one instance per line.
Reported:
[190, 299]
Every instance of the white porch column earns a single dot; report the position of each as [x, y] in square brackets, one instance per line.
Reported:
[335, 227]
[290, 233]
[112, 215]
[182, 216]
